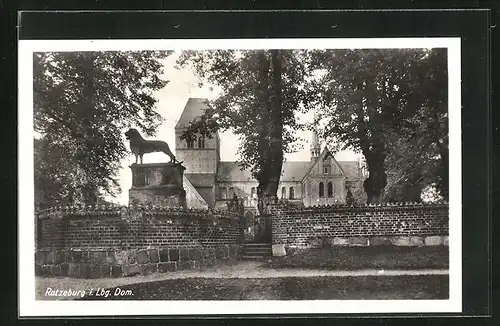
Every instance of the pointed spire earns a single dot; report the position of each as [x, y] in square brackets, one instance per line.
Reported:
[315, 146]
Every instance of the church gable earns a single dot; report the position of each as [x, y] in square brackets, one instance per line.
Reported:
[325, 165]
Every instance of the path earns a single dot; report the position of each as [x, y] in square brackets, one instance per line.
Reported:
[243, 269]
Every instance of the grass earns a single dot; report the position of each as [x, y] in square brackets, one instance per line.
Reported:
[290, 288]
[370, 257]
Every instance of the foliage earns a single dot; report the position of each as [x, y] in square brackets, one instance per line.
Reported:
[260, 92]
[83, 101]
[430, 194]
[390, 105]
[355, 194]
[419, 150]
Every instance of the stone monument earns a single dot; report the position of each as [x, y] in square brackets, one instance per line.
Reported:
[155, 183]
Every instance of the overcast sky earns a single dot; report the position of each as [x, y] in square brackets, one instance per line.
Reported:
[182, 85]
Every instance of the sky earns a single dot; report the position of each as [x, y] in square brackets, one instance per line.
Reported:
[182, 85]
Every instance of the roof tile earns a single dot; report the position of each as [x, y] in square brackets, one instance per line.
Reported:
[351, 169]
[291, 171]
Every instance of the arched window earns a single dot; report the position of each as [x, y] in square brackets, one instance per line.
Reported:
[330, 189]
[292, 193]
[190, 143]
[283, 193]
[223, 193]
[321, 189]
[252, 192]
[231, 192]
[201, 142]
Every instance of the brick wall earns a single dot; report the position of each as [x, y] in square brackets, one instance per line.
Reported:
[408, 224]
[135, 229]
[74, 242]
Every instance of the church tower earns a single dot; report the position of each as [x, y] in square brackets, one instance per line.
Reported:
[201, 156]
[315, 146]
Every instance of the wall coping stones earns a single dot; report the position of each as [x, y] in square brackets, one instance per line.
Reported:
[115, 209]
[346, 208]
[82, 211]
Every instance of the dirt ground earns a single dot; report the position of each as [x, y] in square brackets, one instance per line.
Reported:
[288, 288]
[250, 280]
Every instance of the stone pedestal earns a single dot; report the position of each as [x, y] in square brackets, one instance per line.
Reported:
[157, 183]
[278, 250]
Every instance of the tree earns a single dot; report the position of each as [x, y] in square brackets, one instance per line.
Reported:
[407, 174]
[83, 101]
[369, 98]
[260, 92]
[355, 194]
[419, 149]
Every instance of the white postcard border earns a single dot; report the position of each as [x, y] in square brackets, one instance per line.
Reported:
[28, 306]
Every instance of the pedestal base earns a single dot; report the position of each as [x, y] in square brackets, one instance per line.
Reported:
[162, 195]
[158, 184]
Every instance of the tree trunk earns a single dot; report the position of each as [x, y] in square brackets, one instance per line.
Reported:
[88, 123]
[266, 196]
[443, 183]
[377, 180]
[373, 149]
[271, 138]
[413, 191]
[374, 187]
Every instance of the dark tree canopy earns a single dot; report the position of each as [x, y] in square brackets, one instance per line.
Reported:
[83, 101]
[261, 91]
[391, 106]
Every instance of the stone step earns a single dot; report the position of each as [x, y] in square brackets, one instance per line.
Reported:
[253, 257]
[256, 253]
[257, 249]
[258, 244]
[249, 249]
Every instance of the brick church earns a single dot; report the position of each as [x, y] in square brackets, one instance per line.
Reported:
[210, 182]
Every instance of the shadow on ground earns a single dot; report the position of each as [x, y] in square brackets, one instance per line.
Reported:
[287, 288]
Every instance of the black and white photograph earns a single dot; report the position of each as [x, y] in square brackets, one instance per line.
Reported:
[243, 176]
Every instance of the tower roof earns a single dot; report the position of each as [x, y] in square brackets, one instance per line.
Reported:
[194, 107]
[315, 145]
[314, 139]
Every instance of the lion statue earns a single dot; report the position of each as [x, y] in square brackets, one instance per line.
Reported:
[140, 146]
